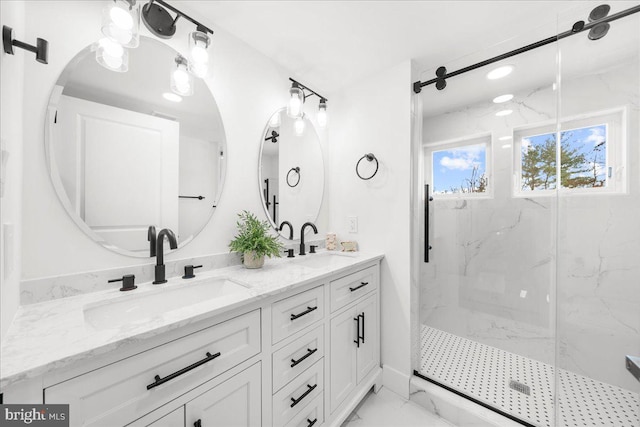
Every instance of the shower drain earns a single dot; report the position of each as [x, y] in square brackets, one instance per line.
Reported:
[518, 386]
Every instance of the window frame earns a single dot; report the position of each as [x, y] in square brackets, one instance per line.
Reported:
[615, 120]
[476, 139]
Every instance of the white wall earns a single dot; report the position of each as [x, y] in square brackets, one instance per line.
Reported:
[247, 86]
[11, 70]
[374, 116]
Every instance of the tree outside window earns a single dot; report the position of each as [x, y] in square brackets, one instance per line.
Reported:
[583, 159]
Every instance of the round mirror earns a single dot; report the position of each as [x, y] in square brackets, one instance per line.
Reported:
[125, 153]
[291, 173]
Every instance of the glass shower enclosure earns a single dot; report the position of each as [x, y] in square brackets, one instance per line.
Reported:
[530, 300]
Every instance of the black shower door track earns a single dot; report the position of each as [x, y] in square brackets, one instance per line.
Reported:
[578, 27]
[476, 401]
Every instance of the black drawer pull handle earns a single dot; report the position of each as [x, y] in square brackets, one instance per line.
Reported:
[305, 394]
[309, 353]
[307, 311]
[198, 423]
[311, 422]
[362, 285]
[158, 381]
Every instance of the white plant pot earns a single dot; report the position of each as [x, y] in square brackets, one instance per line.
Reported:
[251, 261]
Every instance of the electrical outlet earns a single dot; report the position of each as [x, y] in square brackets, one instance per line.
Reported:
[352, 222]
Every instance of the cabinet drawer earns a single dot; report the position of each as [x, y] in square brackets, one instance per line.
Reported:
[352, 287]
[296, 395]
[295, 313]
[311, 416]
[294, 358]
[123, 391]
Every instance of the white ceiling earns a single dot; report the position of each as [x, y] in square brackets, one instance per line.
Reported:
[331, 44]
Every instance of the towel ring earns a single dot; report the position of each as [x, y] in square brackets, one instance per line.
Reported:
[370, 157]
[297, 171]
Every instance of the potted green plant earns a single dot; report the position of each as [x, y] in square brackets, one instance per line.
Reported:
[253, 240]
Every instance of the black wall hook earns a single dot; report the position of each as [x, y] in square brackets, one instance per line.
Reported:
[8, 42]
[370, 158]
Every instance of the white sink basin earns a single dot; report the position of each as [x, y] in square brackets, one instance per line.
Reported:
[323, 259]
[135, 309]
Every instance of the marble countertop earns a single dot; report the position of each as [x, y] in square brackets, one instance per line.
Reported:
[51, 335]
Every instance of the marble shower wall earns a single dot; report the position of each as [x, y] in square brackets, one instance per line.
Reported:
[500, 261]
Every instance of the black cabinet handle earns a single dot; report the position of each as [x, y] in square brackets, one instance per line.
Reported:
[362, 285]
[305, 394]
[307, 311]
[309, 353]
[158, 381]
[358, 336]
[198, 423]
[311, 422]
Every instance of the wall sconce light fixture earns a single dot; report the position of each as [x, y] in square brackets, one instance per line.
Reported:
[274, 121]
[112, 55]
[41, 49]
[322, 113]
[198, 55]
[299, 125]
[121, 22]
[297, 97]
[296, 100]
[181, 80]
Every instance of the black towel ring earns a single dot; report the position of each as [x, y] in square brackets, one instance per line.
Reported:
[297, 171]
[370, 157]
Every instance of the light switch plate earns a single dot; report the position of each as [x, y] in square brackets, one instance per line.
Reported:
[352, 224]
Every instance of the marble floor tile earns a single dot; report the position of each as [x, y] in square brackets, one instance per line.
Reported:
[390, 410]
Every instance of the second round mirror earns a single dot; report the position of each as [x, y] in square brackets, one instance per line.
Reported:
[291, 173]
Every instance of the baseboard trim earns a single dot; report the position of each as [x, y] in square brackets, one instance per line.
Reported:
[396, 381]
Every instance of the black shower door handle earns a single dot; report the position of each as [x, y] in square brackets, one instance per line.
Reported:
[427, 199]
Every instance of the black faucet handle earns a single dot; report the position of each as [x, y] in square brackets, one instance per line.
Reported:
[312, 249]
[128, 282]
[289, 253]
[188, 271]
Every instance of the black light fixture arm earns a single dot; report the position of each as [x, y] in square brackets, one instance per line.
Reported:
[8, 42]
[179, 14]
[312, 92]
[578, 27]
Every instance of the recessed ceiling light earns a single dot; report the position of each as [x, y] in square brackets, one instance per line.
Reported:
[506, 146]
[504, 138]
[171, 97]
[504, 113]
[503, 98]
[500, 72]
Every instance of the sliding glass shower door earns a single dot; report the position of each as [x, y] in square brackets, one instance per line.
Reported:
[598, 241]
[530, 299]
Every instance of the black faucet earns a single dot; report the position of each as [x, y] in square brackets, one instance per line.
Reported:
[151, 237]
[173, 244]
[282, 224]
[305, 225]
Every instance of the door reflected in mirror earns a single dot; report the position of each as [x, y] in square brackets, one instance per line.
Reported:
[291, 173]
[126, 153]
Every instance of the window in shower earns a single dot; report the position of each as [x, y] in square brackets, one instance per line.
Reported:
[460, 168]
[589, 150]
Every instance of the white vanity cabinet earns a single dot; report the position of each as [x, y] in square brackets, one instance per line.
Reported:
[119, 393]
[355, 337]
[234, 403]
[302, 357]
